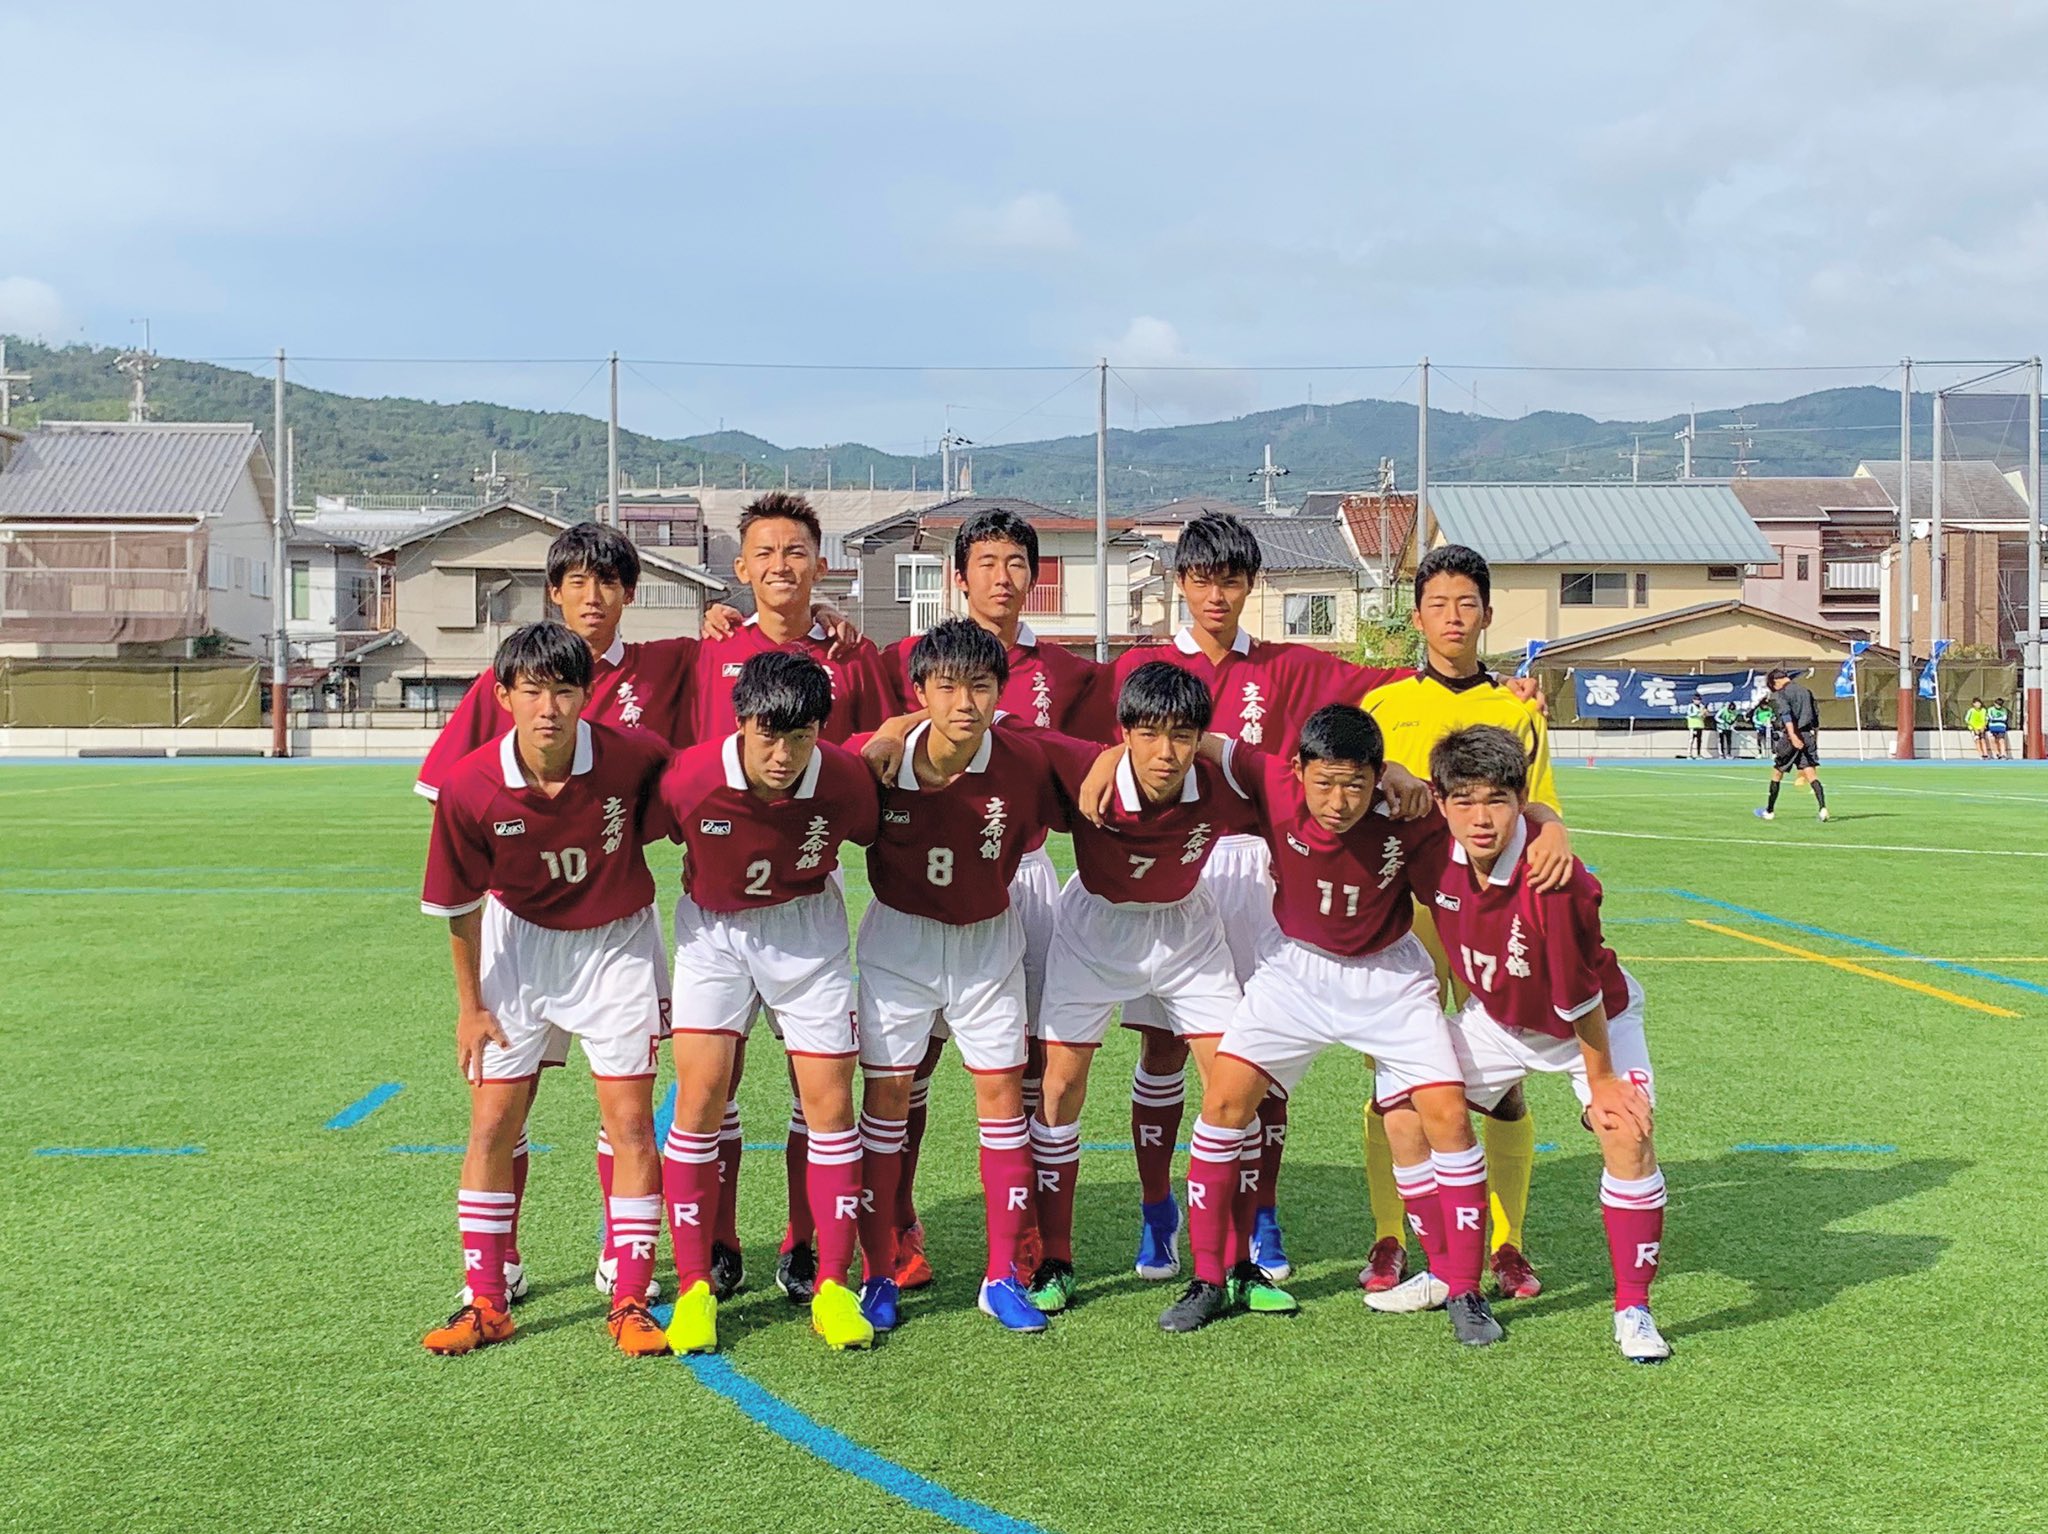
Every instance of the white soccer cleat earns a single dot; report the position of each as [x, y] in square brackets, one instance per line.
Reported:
[1420, 1291]
[515, 1285]
[1765, 814]
[607, 1275]
[1638, 1338]
[1823, 813]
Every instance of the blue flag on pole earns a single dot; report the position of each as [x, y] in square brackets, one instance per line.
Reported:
[1845, 679]
[1927, 677]
[1534, 649]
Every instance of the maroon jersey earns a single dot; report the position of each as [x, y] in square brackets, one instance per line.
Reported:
[747, 852]
[570, 862]
[1351, 894]
[632, 687]
[949, 853]
[1536, 961]
[1264, 690]
[862, 696]
[1049, 687]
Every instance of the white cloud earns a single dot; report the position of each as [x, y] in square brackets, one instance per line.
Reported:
[1171, 383]
[30, 307]
[1031, 223]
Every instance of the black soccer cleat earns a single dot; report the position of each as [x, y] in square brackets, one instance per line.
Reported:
[1472, 1321]
[796, 1273]
[1198, 1305]
[728, 1271]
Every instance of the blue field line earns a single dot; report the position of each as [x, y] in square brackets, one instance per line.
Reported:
[1863, 942]
[1119, 1145]
[842, 1453]
[1791, 1150]
[120, 1150]
[1643, 921]
[447, 1150]
[366, 1105]
[765, 1145]
[665, 1117]
[1546, 1145]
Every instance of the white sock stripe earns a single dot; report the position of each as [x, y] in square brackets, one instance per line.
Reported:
[1654, 1183]
[525, 1148]
[636, 1206]
[486, 1199]
[470, 1225]
[883, 1136]
[1459, 1169]
[1141, 1077]
[729, 1127]
[1005, 1134]
[1418, 1181]
[1614, 1201]
[689, 1149]
[604, 1144]
[835, 1147]
[921, 1093]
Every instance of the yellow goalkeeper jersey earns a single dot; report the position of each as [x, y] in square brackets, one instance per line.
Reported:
[1418, 711]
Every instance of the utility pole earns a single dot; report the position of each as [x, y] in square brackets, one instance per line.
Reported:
[1934, 615]
[1425, 524]
[1903, 744]
[138, 366]
[280, 695]
[1686, 439]
[1102, 510]
[611, 494]
[1269, 474]
[2035, 745]
[1741, 443]
[1634, 459]
[949, 444]
[1388, 567]
[7, 382]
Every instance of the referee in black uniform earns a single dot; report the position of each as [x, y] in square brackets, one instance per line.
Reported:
[1795, 741]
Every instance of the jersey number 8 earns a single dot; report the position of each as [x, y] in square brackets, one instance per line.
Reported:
[938, 865]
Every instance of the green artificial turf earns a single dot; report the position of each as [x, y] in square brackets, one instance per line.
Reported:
[227, 955]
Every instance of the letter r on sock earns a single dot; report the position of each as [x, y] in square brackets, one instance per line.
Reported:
[1646, 1253]
[845, 1206]
[1150, 1134]
[1020, 1198]
[1468, 1218]
[684, 1214]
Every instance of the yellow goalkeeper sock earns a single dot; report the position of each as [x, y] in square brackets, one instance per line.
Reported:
[1510, 1157]
[1389, 1214]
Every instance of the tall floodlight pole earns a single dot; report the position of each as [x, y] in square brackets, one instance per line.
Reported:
[1934, 614]
[1102, 510]
[1903, 747]
[280, 695]
[611, 494]
[1425, 524]
[2035, 745]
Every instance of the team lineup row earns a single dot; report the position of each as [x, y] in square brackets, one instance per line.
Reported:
[1253, 906]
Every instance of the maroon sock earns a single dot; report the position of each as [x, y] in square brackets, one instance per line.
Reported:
[690, 1192]
[1633, 1211]
[521, 1154]
[1157, 1103]
[727, 1228]
[796, 1162]
[604, 1186]
[913, 1140]
[1055, 1159]
[1273, 1115]
[1244, 1203]
[833, 1177]
[1417, 1185]
[635, 1233]
[483, 1220]
[1461, 1190]
[882, 1164]
[1212, 1190]
[1005, 1191]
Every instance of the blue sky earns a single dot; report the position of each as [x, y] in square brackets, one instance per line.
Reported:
[1186, 188]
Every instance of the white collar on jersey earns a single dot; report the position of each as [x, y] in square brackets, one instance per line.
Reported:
[1026, 640]
[817, 629]
[736, 774]
[1127, 786]
[1504, 866]
[508, 755]
[906, 775]
[616, 653]
[1184, 641]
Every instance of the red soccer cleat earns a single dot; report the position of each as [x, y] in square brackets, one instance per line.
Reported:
[475, 1325]
[912, 1271]
[1513, 1278]
[1385, 1266]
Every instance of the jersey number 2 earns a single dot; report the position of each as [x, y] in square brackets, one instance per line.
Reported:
[758, 873]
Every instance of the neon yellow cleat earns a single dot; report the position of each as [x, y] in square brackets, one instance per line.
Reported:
[836, 1316]
[694, 1326]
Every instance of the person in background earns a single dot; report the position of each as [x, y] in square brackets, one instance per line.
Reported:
[1995, 726]
[1724, 727]
[1976, 722]
[1760, 721]
[1696, 724]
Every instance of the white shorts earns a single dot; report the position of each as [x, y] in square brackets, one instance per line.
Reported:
[1304, 999]
[912, 968]
[1106, 952]
[1035, 897]
[790, 958]
[1239, 875]
[1494, 1058]
[607, 986]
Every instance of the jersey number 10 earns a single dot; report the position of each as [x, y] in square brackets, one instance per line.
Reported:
[570, 863]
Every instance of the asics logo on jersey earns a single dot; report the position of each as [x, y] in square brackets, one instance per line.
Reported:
[1297, 844]
[509, 827]
[896, 817]
[714, 827]
[731, 668]
[1448, 902]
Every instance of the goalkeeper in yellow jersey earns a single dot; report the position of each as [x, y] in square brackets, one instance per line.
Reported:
[1453, 607]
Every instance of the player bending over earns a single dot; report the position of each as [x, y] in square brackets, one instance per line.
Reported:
[1347, 969]
[1548, 995]
[761, 922]
[1795, 742]
[536, 861]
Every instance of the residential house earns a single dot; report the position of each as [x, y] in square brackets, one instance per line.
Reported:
[1381, 531]
[133, 540]
[1983, 550]
[1310, 587]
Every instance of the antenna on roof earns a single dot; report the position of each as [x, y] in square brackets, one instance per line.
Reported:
[138, 365]
[7, 382]
[1268, 473]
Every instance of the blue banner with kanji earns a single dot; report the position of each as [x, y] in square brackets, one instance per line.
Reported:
[1625, 693]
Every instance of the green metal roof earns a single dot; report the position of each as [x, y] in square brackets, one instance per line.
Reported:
[1608, 524]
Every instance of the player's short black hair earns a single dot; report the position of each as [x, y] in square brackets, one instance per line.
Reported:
[604, 551]
[1160, 695]
[961, 649]
[1342, 733]
[995, 526]
[784, 691]
[1217, 544]
[542, 652]
[1479, 756]
[1455, 559]
[1779, 674]
[782, 506]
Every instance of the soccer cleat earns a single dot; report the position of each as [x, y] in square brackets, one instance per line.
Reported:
[878, 1297]
[1005, 1299]
[1252, 1288]
[693, 1328]
[836, 1316]
[515, 1286]
[1267, 1250]
[607, 1276]
[1638, 1338]
[635, 1331]
[1198, 1305]
[1384, 1265]
[1424, 1291]
[1472, 1322]
[913, 1271]
[1052, 1286]
[472, 1326]
[728, 1270]
[1159, 1240]
[1513, 1278]
[796, 1273]
[1764, 814]
[1823, 814]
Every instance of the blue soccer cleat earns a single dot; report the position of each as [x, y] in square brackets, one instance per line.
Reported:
[1267, 1250]
[1763, 814]
[878, 1302]
[1158, 1240]
[1005, 1299]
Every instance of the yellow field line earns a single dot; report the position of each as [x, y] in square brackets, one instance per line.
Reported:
[1854, 969]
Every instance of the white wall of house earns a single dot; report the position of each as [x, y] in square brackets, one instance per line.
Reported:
[238, 574]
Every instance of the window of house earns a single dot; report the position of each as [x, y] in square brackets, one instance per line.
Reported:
[240, 577]
[1594, 588]
[302, 590]
[1311, 615]
[915, 573]
[1049, 591]
[216, 570]
[1775, 570]
[1805, 567]
[1642, 588]
[435, 694]
[1724, 572]
[259, 577]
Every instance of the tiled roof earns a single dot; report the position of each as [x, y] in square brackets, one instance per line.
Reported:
[1600, 524]
[110, 471]
[1972, 489]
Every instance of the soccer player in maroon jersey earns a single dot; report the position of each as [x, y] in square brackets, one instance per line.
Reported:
[761, 922]
[995, 568]
[1348, 969]
[536, 861]
[1547, 994]
[943, 935]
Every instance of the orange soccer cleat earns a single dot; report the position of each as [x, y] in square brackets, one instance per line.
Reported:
[635, 1330]
[475, 1325]
[912, 1270]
